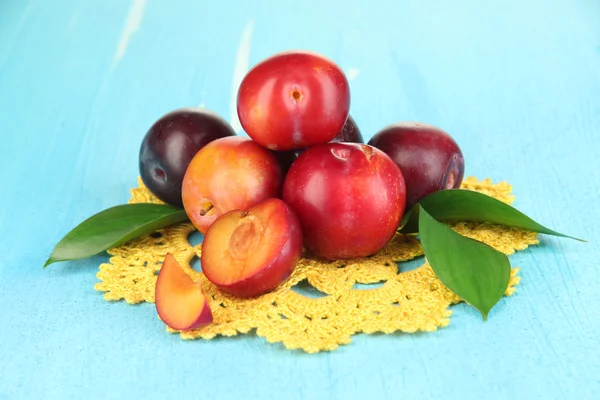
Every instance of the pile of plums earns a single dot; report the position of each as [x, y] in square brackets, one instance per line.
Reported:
[303, 176]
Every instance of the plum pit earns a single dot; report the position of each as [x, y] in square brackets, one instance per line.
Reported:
[246, 236]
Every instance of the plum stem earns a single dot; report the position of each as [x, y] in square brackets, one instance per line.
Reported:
[206, 210]
[296, 95]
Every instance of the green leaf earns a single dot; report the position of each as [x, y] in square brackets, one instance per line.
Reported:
[113, 227]
[410, 221]
[476, 272]
[467, 205]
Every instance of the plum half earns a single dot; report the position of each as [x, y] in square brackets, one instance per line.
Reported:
[250, 252]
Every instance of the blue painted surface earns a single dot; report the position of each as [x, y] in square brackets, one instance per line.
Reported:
[517, 83]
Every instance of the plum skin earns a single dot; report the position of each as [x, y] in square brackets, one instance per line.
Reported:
[348, 197]
[169, 146]
[293, 100]
[429, 157]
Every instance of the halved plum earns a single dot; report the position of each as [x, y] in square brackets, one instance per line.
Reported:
[250, 252]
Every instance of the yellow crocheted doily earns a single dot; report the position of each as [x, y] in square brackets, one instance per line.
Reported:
[407, 301]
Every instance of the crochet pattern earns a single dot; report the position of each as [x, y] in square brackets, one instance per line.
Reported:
[318, 307]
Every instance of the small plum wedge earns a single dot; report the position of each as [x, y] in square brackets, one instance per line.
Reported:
[249, 253]
[180, 302]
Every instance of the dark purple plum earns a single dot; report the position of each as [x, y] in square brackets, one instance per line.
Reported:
[286, 158]
[429, 158]
[349, 134]
[170, 145]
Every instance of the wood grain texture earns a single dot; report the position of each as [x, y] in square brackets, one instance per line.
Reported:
[516, 82]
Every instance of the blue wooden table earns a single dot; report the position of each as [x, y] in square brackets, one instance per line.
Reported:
[516, 82]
